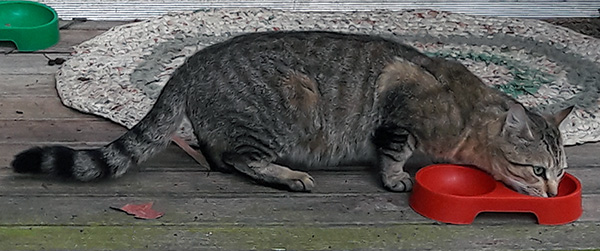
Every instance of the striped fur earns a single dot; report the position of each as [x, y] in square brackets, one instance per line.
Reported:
[149, 136]
[261, 103]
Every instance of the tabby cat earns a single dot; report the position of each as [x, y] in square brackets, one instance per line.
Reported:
[261, 102]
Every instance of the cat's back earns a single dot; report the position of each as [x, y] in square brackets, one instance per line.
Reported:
[315, 90]
[301, 41]
[331, 61]
[305, 45]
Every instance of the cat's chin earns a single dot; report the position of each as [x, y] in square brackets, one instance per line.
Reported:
[524, 189]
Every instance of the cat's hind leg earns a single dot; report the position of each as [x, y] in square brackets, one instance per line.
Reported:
[271, 173]
[394, 148]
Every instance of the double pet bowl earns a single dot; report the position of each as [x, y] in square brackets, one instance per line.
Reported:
[457, 194]
[30, 26]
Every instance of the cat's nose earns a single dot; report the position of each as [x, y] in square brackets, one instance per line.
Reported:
[552, 188]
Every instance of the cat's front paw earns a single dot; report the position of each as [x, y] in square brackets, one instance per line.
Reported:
[300, 182]
[398, 182]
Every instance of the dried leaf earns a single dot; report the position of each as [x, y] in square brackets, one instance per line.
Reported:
[141, 211]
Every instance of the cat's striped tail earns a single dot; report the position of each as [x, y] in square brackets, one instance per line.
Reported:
[151, 135]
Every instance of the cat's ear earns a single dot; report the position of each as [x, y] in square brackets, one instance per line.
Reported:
[517, 123]
[560, 116]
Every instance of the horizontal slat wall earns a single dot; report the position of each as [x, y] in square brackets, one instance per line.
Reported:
[137, 9]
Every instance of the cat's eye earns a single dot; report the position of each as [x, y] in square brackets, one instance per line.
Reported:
[539, 171]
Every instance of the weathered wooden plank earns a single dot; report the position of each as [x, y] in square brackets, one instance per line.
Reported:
[28, 64]
[89, 25]
[197, 183]
[578, 156]
[40, 108]
[71, 33]
[68, 39]
[226, 209]
[59, 131]
[583, 155]
[172, 159]
[278, 208]
[50, 108]
[27, 85]
[301, 237]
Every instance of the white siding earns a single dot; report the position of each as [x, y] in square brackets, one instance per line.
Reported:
[132, 9]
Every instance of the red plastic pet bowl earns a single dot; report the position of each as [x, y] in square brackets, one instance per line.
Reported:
[457, 194]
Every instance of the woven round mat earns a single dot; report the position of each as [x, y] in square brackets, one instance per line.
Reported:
[119, 74]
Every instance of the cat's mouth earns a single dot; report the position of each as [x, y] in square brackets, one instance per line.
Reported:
[534, 192]
[525, 189]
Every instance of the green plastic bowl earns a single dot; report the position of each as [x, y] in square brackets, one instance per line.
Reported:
[29, 25]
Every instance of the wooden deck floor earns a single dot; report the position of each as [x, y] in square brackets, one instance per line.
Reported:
[208, 210]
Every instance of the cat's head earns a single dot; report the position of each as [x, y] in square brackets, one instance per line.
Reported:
[526, 148]
[529, 154]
